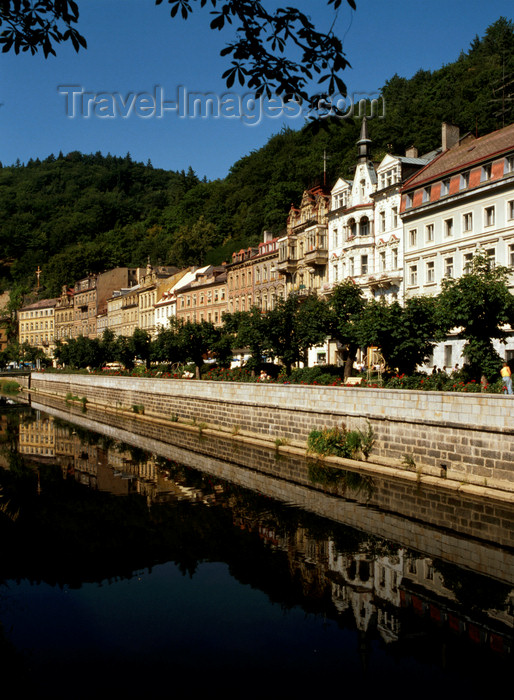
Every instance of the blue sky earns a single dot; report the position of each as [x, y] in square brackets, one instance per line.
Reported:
[135, 48]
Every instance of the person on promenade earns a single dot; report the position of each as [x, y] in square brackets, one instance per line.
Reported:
[506, 377]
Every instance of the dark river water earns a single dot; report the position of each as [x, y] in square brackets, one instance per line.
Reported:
[149, 562]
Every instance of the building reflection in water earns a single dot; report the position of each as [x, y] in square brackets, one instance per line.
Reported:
[383, 587]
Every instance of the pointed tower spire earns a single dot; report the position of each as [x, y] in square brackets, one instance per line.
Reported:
[364, 143]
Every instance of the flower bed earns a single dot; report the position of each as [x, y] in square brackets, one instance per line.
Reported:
[314, 376]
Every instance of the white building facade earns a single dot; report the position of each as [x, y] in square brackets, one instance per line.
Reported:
[365, 227]
[460, 203]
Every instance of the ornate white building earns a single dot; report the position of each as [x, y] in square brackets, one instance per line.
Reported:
[351, 220]
[365, 228]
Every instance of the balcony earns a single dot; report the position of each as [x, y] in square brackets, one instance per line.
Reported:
[317, 255]
[287, 265]
[385, 280]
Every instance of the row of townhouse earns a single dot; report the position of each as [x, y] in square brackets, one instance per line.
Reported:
[396, 229]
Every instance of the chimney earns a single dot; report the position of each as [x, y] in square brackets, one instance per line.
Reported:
[411, 152]
[450, 135]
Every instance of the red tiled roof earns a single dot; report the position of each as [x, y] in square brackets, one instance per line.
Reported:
[466, 154]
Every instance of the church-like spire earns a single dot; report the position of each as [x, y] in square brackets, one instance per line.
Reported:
[364, 143]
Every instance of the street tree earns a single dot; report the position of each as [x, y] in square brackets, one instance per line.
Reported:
[347, 303]
[196, 340]
[124, 352]
[295, 325]
[405, 334]
[265, 39]
[108, 345]
[140, 343]
[166, 346]
[248, 331]
[35, 355]
[480, 308]
[79, 352]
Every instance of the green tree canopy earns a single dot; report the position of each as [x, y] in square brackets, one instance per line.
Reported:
[295, 325]
[480, 308]
[248, 329]
[347, 304]
[405, 334]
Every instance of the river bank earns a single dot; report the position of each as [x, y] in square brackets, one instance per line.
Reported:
[468, 439]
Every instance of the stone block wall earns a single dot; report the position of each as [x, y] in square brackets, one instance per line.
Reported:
[467, 437]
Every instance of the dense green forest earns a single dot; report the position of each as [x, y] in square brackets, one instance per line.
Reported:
[76, 213]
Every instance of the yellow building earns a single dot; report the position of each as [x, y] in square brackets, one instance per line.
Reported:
[36, 325]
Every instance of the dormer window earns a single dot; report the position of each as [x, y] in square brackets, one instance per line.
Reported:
[445, 187]
[426, 194]
[485, 173]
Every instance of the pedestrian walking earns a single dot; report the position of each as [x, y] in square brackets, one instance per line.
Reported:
[506, 377]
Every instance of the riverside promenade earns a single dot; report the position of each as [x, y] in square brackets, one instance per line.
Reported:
[467, 438]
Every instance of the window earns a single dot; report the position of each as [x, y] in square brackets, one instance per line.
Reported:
[413, 237]
[408, 200]
[509, 165]
[413, 274]
[430, 272]
[426, 194]
[336, 241]
[489, 216]
[467, 222]
[511, 255]
[382, 221]
[448, 362]
[364, 264]
[448, 267]
[464, 180]
[395, 217]
[510, 209]
[429, 233]
[335, 272]
[448, 227]
[394, 258]
[351, 264]
[468, 259]
[491, 254]
[364, 226]
[445, 187]
[485, 173]
[382, 260]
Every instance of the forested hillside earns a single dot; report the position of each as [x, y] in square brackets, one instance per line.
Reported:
[73, 214]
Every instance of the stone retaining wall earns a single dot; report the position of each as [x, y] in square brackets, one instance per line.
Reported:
[467, 437]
